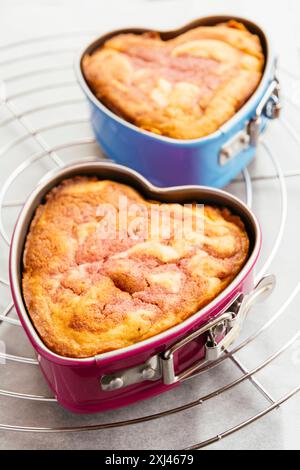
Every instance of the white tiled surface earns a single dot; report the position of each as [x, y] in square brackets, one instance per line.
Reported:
[281, 429]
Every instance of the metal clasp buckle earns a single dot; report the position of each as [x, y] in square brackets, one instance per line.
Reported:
[228, 325]
[270, 107]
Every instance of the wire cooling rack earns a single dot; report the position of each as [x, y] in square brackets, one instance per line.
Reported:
[44, 124]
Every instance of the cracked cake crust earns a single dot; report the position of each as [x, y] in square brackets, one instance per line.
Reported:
[87, 295]
[184, 88]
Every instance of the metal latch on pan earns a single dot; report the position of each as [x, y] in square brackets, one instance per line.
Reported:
[270, 107]
[227, 326]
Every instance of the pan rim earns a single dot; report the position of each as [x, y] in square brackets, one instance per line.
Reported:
[237, 117]
[21, 230]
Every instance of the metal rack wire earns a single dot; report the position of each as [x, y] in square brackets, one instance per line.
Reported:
[18, 123]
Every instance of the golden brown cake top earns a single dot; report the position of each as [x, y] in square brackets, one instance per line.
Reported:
[104, 268]
[184, 88]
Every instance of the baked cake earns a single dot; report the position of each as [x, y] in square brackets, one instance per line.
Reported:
[185, 87]
[88, 292]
